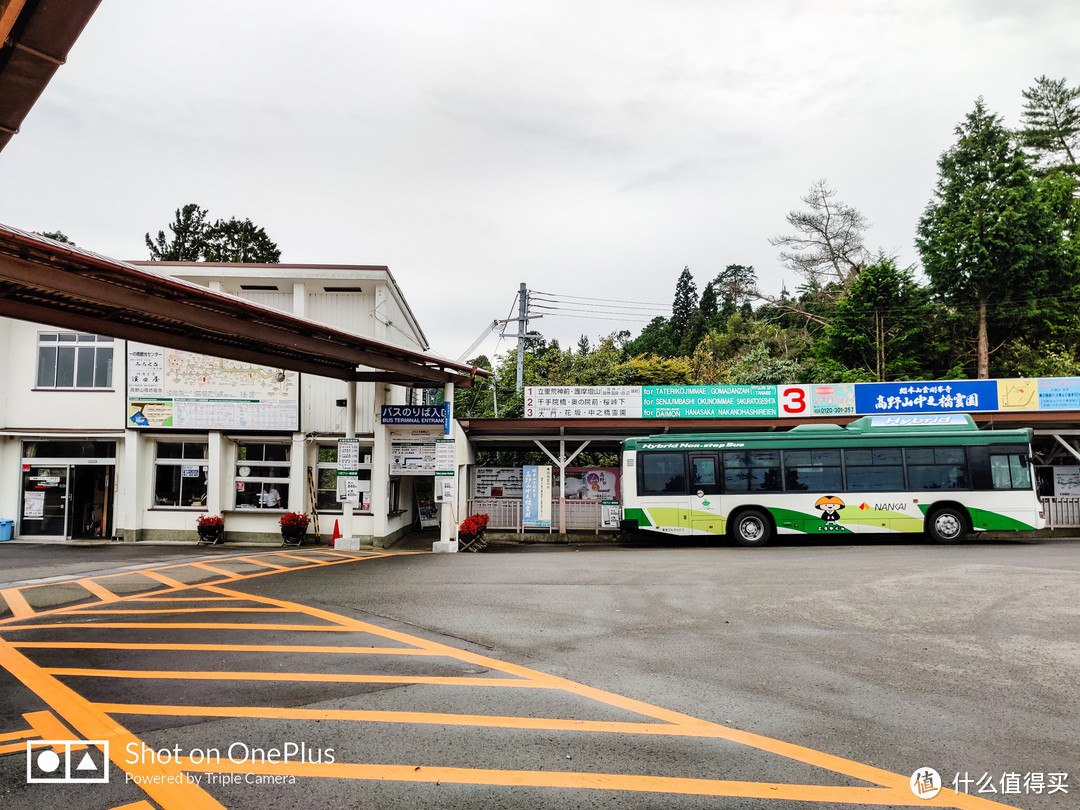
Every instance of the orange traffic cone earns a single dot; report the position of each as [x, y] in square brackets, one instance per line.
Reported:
[337, 534]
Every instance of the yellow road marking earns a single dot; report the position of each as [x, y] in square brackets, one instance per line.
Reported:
[298, 677]
[288, 648]
[43, 726]
[255, 561]
[162, 592]
[135, 806]
[20, 608]
[88, 718]
[92, 724]
[213, 569]
[175, 626]
[140, 611]
[602, 781]
[49, 727]
[418, 718]
[164, 580]
[809, 756]
[98, 590]
[175, 599]
[294, 557]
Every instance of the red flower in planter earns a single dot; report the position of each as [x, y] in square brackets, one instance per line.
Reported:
[473, 525]
[294, 521]
[210, 522]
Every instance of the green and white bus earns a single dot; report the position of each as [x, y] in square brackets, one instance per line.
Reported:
[937, 474]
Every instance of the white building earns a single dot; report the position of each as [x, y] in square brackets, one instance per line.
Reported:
[106, 437]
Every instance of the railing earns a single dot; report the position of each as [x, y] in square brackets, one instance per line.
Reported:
[505, 514]
[1062, 513]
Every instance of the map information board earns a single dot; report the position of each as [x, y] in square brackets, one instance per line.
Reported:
[169, 388]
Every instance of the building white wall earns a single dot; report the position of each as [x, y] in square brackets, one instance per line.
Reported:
[28, 408]
[377, 312]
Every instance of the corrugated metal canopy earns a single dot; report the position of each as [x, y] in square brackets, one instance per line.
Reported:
[35, 37]
[61, 285]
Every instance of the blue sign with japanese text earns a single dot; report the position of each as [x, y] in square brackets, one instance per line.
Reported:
[926, 397]
[414, 415]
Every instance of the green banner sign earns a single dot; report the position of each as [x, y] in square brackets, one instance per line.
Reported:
[708, 401]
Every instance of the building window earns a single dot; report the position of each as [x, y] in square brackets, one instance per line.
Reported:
[262, 476]
[180, 471]
[74, 360]
[326, 480]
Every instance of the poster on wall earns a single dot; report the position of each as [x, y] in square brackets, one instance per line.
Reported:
[413, 458]
[1066, 481]
[169, 388]
[536, 497]
[582, 483]
[34, 505]
[590, 483]
[497, 482]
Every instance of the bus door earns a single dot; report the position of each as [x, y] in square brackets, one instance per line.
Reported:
[705, 514]
[663, 488]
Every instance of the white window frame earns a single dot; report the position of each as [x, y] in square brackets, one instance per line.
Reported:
[256, 480]
[203, 481]
[81, 344]
[367, 450]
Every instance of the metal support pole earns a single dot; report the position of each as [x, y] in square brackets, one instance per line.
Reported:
[448, 541]
[523, 308]
[347, 540]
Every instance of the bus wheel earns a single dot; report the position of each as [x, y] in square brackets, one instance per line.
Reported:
[947, 525]
[752, 528]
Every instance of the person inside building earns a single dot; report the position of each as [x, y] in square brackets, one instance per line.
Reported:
[269, 497]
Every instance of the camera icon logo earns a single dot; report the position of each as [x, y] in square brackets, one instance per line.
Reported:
[67, 761]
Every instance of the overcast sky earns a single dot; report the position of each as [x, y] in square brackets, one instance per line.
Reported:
[590, 149]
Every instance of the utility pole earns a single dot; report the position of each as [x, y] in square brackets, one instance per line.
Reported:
[523, 322]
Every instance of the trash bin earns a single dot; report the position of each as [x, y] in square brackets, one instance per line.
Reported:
[6, 528]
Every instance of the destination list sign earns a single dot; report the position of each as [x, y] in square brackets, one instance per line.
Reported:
[707, 401]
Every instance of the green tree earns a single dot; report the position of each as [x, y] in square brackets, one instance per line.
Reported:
[879, 324]
[988, 237]
[684, 306]
[656, 338]
[188, 228]
[735, 285]
[56, 236]
[193, 240]
[709, 306]
[237, 240]
[828, 241]
[1051, 127]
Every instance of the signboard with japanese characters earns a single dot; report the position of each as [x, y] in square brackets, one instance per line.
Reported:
[801, 400]
[536, 497]
[169, 388]
[583, 402]
[413, 458]
[413, 415]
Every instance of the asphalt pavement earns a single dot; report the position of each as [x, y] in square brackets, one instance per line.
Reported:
[638, 675]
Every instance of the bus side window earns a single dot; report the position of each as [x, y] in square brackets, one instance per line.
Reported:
[936, 468]
[752, 471]
[662, 473]
[703, 475]
[1010, 472]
